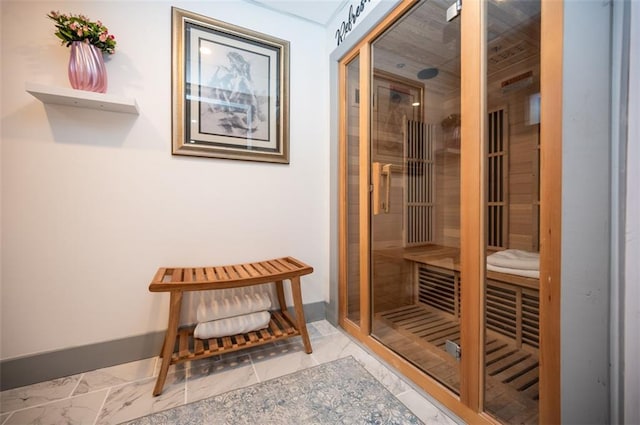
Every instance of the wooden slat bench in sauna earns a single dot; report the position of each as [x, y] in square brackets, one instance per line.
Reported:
[512, 306]
[179, 342]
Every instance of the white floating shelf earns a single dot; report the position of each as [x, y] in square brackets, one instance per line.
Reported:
[82, 99]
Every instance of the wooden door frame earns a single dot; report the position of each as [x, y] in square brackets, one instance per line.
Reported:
[473, 109]
[552, 17]
[469, 406]
[363, 50]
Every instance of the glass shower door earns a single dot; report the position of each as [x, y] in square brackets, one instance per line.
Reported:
[351, 188]
[511, 287]
[415, 191]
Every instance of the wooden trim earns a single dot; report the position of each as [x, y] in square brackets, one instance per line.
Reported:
[550, 209]
[342, 190]
[364, 51]
[472, 203]
[364, 183]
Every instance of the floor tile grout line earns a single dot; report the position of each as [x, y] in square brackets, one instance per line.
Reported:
[72, 395]
[106, 397]
[77, 385]
[122, 384]
[46, 403]
[255, 371]
[404, 392]
[49, 401]
[7, 418]
[316, 361]
[187, 373]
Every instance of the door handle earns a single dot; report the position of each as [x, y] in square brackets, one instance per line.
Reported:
[381, 180]
[386, 172]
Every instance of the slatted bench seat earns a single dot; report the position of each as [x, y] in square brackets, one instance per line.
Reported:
[179, 343]
[512, 302]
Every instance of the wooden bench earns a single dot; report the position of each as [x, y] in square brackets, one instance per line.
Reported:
[180, 345]
[512, 302]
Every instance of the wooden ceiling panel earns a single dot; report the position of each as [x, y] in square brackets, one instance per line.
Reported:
[423, 39]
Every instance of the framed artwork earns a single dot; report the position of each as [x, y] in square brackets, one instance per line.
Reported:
[394, 99]
[230, 91]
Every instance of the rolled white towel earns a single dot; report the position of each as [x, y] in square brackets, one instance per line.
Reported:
[515, 259]
[518, 272]
[211, 308]
[232, 325]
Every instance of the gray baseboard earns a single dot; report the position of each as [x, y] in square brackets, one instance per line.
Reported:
[29, 370]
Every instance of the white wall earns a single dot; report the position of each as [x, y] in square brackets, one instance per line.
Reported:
[631, 371]
[93, 202]
[586, 213]
[352, 14]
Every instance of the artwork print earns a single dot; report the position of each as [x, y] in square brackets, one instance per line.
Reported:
[230, 91]
[235, 92]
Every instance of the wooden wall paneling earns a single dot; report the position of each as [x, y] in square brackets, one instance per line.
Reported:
[447, 198]
[536, 194]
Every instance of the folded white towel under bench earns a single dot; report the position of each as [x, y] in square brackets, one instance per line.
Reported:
[232, 325]
[211, 308]
[515, 261]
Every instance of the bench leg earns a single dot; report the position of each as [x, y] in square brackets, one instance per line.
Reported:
[175, 303]
[281, 300]
[297, 305]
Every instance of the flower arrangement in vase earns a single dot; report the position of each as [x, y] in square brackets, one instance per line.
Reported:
[88, 41]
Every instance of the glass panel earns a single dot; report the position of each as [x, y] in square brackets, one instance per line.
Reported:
[511, 286]
[415, 202]
[353, 187]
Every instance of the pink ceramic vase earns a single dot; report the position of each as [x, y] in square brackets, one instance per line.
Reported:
[86, 68]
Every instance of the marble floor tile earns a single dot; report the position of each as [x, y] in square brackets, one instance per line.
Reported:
[82, 409]
[124, 392]
[220, 376]
[287, 346]
[320, 328]
[333, 347]
[174, 368]
[423, 409]
[338, 345]
[218, 364]
[133, 400]
[32, 395]
[388, 378]
[269, 367]
[116, 375]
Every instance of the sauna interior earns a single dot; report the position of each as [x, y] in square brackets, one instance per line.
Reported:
[415, 151]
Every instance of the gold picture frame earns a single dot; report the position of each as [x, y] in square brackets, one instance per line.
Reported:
[230, 90]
